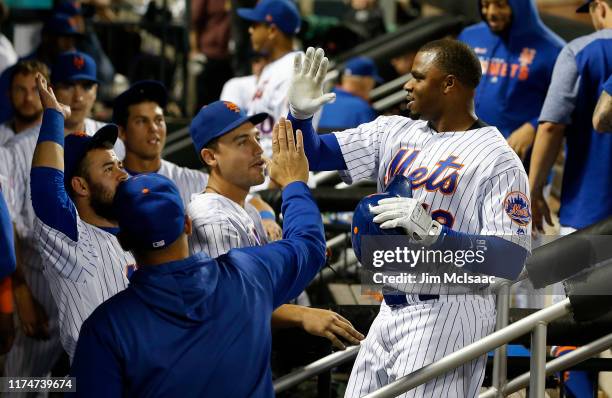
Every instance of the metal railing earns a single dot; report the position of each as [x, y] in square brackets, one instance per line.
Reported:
[535, 322]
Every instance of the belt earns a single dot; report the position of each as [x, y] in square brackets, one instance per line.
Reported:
[393, 300]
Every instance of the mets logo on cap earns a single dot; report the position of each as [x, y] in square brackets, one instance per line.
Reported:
[78, 62]
[516, 205]
[231, 106]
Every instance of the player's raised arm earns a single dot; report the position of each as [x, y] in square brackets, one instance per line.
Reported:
[49, 198]
[305, 98]
[292, 262]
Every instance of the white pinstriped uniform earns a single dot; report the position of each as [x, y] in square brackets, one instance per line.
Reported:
[6, 133]
[81, 274]
[220, 224]
[30, 357]
[468, 195]
[188, 181]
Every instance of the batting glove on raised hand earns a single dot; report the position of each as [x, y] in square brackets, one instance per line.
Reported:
[306, 90]
[410, 215]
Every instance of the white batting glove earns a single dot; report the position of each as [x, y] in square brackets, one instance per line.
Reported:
[306, 90]
[410, 215]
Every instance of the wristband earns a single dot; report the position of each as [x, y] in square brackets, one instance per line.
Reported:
[267, 215]
[52, 128]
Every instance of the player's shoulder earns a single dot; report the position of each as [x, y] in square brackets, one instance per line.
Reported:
[279, 70]
[173, 170]
[474, 32]
[211, 208]
[26, 137]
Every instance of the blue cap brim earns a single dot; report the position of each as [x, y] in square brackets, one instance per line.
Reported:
[75, 78]
[255, 119]
[249, 14]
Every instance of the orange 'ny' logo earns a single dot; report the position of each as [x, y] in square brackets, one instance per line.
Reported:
[231, 106]
[78, 62]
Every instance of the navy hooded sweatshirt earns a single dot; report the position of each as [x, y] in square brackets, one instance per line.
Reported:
[517, 67]
[200, 327]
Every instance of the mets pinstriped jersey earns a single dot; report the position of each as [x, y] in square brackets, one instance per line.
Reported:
[6, 133]
[220, 224]
[470, 181]
[82, 274]
[15, 163]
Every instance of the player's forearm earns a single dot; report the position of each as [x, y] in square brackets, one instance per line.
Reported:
[323, 152]
[50, 146]
[602, 117]
[287, 316]
[500, 257]
[546, 147]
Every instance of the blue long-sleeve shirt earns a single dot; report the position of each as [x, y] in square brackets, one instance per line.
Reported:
[201, 326]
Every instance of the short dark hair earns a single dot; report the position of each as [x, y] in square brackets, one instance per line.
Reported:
[456, 58]
[121, 116]
[212, 144]
[29, 67]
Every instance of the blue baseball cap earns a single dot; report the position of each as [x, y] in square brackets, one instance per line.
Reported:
[68, 7]
[282, 13]
[362, 66]
[149, 210]
[72, 66]
[140, 91]
[60, 25]
[584, 7]
[76, 146]
[217, 119]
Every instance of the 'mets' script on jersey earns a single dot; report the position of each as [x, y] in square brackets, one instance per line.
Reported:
[470, 180]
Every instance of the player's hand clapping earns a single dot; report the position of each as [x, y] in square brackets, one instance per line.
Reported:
[48, 99]
[306, 90]
[289, 162]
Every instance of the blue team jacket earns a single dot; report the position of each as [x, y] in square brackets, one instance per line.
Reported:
[517, 67]
[200, 327]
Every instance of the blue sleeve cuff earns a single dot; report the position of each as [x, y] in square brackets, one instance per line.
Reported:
[608, 86]
[502, 258]
[295, 188]
[52, 128]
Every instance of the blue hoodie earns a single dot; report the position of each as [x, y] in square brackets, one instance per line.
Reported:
[517, 67]
[200, 327]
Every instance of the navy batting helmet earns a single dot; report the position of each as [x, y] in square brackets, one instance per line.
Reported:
[363, 223]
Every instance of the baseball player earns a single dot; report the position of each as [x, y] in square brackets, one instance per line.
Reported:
[274, 23]
[189, 326]
[27, 110]
[471, 183]
[228, 143]
[72, 192]
[581, 69]
[139, 113]
[39, 336]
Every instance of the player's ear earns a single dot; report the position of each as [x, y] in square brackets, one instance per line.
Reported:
[450, 82]
[122, 133]
[188, 225]
[79, 186]
[208, 157]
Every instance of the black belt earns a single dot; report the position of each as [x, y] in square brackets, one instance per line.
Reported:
[400, 299]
